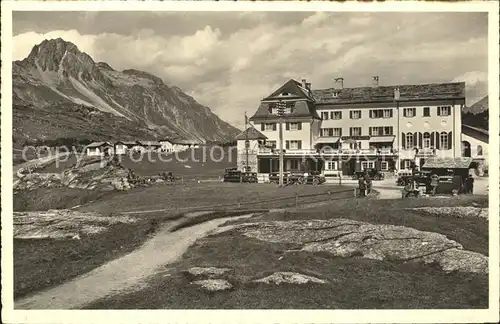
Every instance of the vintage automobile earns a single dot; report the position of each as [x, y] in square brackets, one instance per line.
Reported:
[297, 178]
[235, 175]
[374, 174]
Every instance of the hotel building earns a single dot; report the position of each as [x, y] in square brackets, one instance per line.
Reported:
[343, 130]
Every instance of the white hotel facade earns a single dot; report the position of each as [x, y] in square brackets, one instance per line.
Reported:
[344, 130]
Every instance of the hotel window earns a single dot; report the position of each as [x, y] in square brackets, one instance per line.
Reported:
[427, 140]
[293, 126]
[381, 131]
[336, 115]
[355, 114]
[337, 132]
[355, 131]
[331, 165]
[271, 144]
[388, 130]
[427, 111]
[325, 115]
[409, 141]
[326, 132]
[268, 126]
[443, 141]
[293, 145]
[374, 131]
[479, 150]
[384, 166]
[409, 112]
[444, 110]
[407, 164]
[376, 113]
[355, 146]
[367, 165]
[381, 113]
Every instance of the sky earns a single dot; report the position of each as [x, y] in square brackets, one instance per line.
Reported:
[229, 61]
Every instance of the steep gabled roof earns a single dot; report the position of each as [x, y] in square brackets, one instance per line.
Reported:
[251, 134]
[300, 109]
[432, 91]
[448, 163]
[98, 144]
[150, 143]
[293, 88]
[475, 132]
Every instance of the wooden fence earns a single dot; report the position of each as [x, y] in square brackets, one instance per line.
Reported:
[293, 201]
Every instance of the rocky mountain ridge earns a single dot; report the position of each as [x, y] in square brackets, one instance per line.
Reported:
[60, 91]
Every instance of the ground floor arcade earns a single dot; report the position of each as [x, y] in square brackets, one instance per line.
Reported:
[328, 166]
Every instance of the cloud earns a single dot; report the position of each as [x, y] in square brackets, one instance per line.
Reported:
[230, 62]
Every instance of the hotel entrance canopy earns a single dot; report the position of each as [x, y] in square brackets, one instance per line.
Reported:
[382, 139]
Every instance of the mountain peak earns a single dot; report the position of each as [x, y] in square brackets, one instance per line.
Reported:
[53, 47]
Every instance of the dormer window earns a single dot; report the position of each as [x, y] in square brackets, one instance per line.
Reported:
[273, 108]
[335, 94]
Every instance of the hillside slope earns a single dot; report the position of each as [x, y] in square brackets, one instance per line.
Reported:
[477, 114]
[59, 90]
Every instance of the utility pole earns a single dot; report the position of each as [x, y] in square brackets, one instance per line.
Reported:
[247, 143]
[281, 111]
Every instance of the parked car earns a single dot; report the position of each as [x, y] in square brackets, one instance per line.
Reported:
[297, 177]
[374, 174]
[235, 175]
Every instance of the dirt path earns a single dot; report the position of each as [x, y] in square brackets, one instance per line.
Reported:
[124, 273]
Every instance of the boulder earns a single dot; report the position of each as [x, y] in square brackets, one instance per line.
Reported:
[214, 284]
[207, 271]
[349, 238]
[290, 278]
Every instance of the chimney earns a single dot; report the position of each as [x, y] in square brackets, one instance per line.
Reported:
[308, 86]
[339, 81]
[396, 94]
[304, 83]
[375, 80]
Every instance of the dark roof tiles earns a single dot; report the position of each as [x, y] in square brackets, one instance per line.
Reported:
[431, 91]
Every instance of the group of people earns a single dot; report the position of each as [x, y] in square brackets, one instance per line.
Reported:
[365, 183]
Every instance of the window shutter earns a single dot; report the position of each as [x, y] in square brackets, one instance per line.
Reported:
[414, 112]
[350, 114]
[371, 113]
[370, 131]
[420, 137]
[300, 126]
[262, 126]
[299, 145]
[287, 145]
[350, 131]
[340, 115]
[432, 140]
[360, 114]
[391, 113]
[415, 140]
[287, 126]
[274, 126]
[404, 112]
[450, 139]
[401, 164]
[403, 141]
[439, 111]
[438, 144]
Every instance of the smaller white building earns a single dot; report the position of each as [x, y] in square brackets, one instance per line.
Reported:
[475, 145]
[99, 149]
[151, 146]
[123, 147]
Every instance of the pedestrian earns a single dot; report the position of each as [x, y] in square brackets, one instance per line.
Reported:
[470, 184]
[362, 186]
[368, 181]
[434, 183]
